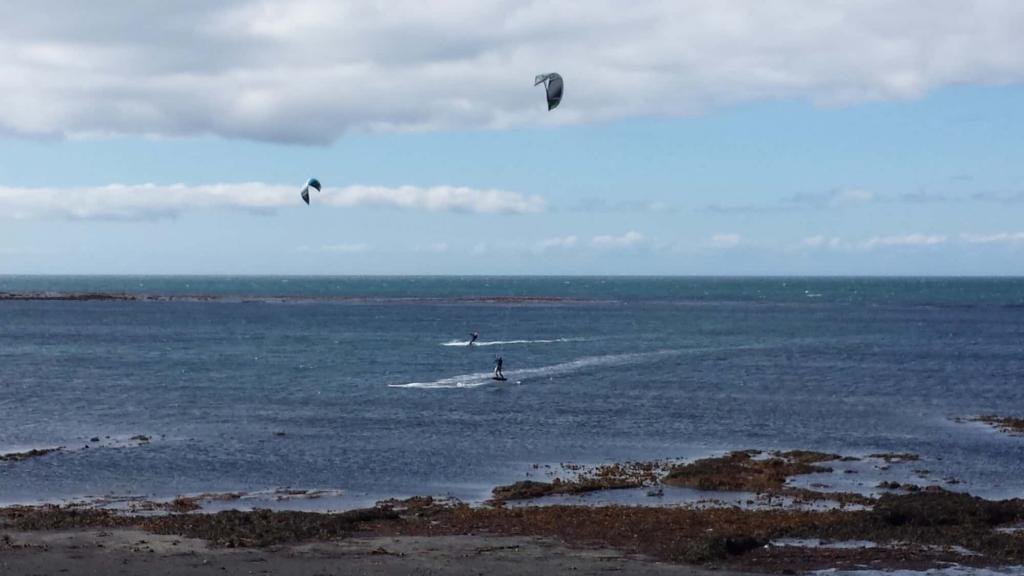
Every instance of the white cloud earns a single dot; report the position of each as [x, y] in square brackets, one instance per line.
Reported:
[631, 238]
[437, 199]
[555, 243]
[153, 201]
[433, 248]
[593, 204]
[1000, 238]
[832, 199]
[904, 240]
[726, 240]
[821, 241]
[345, 248]
[309, 70]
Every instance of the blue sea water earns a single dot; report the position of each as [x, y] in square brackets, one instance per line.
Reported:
[376, 396]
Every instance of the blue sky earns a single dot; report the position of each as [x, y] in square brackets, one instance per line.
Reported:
[629, 176]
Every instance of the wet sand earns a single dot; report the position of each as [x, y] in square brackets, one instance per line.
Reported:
[130, 551]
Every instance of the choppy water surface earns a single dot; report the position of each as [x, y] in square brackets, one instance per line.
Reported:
[377, 397]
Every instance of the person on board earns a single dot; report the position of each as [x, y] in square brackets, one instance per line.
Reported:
[497, 368]
[472, 338]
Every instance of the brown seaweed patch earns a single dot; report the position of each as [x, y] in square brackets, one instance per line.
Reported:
[746, 471]
[34, 453]
[1006, 424]
[914, 530]
[264, 527]
[805, 496]
[523, 490]
[51, 517]
[605, 477]
[937, 507]
[674, 534]
[812, 457]
[179, 505]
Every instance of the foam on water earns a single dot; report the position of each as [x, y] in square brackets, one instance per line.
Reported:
[477, 379]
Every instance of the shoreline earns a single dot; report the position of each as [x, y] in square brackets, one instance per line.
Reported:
[910, 532]
[900, 528]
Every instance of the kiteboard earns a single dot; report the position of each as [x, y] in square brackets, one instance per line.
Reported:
[499, 378]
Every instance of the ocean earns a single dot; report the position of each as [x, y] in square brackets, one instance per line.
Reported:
[365, 387]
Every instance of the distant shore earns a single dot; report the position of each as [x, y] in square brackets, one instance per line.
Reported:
[152, 297]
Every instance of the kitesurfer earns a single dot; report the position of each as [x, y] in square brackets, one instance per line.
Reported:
[497, 368]
[472, 338]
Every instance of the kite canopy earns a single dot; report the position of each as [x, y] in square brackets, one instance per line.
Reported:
[553, 85]
[311, 183]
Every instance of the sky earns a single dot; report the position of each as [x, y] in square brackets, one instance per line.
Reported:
[695, 137]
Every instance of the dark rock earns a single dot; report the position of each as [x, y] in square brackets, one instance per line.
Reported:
[34, 453]
[933, 508]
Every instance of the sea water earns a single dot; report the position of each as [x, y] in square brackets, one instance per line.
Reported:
[366, 385]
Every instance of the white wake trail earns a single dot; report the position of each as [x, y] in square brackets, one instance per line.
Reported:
[477, 379]
[465, 343]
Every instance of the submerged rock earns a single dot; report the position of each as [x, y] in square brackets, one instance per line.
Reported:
[1007, 424]
[523, 490]
[895, 457]
[34, 453]
[584, 479]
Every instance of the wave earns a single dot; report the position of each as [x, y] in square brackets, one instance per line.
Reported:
[465, 343]
[478, 379]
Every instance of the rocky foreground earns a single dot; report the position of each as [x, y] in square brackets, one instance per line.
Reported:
[921, 528]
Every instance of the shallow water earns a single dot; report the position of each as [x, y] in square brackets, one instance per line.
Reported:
[372, 399]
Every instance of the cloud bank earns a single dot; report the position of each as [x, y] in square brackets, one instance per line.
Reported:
[310, 70]
[150, 201]
[997, 238]
[911, 240]
[627, 240]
